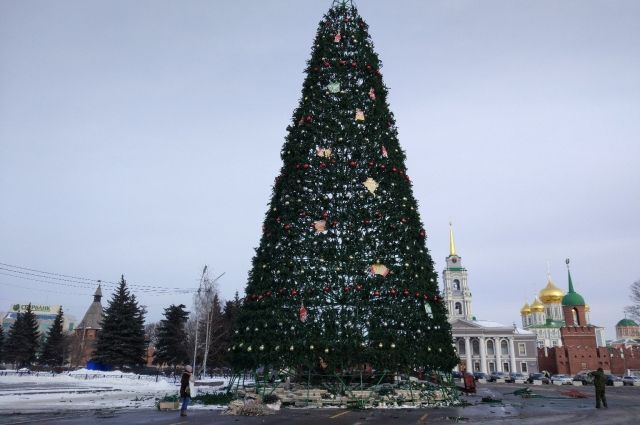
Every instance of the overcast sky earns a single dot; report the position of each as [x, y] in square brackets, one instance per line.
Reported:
[142, 138]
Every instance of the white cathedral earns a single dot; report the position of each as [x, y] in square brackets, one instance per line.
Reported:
[483, 346]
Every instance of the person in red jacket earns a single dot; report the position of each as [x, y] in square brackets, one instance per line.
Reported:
[185, 392]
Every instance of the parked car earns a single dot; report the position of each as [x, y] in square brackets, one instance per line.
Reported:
[456, 375]
[480, 375]
[497, 375]
[538, 376]
[631, 380]
[563, 379]
[613, 378]
[585, 378]
[516, 376]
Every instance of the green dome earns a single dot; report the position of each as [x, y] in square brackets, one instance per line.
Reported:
[627, 322]
[573, 298]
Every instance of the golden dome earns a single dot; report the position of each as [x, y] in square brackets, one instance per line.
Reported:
[551, 294]
[526, 310]
[587, 308]
[537, 306]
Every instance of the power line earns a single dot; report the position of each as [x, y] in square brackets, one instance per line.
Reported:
[64, 277]
[81, 282]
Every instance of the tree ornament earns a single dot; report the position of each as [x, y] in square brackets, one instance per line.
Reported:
[371, 185]
[372, 94]
[393, 292]
[427, 309]
[422, 233]
[359, 115]
[353, 164]
[323, 152]
[385, 154]
[320, 226]
[334, 87]
[337, 37]
[303, 314]
[379, 269]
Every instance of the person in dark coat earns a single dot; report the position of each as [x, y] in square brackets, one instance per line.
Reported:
[600, 382]
[185, 392]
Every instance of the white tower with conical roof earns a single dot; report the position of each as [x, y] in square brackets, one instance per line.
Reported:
[456, 290]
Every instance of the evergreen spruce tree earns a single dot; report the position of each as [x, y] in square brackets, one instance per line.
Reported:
[23, 339]
[121, 341]
[54, 344]
[342, 276]
[171, 347]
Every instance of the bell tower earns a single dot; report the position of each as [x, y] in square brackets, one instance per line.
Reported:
[457, 296]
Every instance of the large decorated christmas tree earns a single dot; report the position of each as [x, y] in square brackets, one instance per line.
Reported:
[342, 277]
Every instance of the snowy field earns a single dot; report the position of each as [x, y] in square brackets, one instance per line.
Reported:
[89, 390]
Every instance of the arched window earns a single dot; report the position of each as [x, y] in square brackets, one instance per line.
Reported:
[461, 349]
[458, 308]
[456, 284]
[504, 347]
[576, 318]
[475, 347]
[490, 350]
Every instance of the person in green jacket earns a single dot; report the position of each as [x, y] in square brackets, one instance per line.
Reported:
[600, 382]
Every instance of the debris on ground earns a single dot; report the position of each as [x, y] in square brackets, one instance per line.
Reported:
[247, 408]
[574, 393]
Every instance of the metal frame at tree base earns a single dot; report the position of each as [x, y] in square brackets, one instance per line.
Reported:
[353, 390]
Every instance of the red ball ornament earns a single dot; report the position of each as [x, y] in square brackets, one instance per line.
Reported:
[287, 227]
[393, 292]
[305, 166]
[376, 293]
[368, 67]
[294, 292]
[359, 287]
[346, 289]
[383, 167]
[326, 289]
[323, 165]
[343, 62]
[366, 221]
[325, 214]
[417, 294]
[426, 297]
[354, 65]
[327, 64]
[422, 233]
[254, 297]
[394, 170]
[298, 166]
[267, 294]
[371, 164]
[403, 220]
[353, 164]
[334, 223]
[308, 118]
[405, 292]
[260, 297]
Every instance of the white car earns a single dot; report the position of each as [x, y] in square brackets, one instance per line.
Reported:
[563, 379]
[631, 380]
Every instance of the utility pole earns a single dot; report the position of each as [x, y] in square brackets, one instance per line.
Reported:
[195, 346]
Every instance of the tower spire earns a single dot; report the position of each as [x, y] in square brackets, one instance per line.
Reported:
[452, 244]
[569, 275]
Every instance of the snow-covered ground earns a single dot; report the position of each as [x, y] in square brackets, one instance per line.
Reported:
[87, 390]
